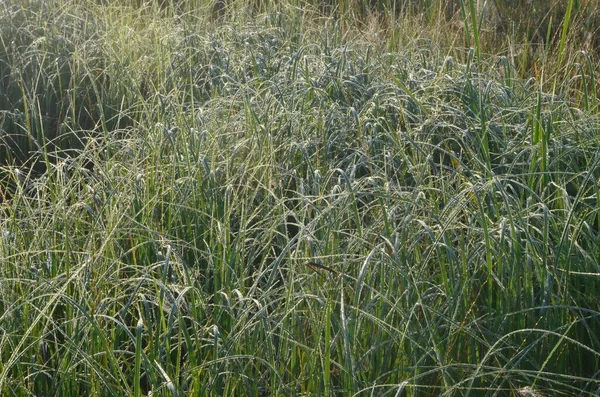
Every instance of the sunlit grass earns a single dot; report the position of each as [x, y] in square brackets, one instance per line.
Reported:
[293, 199]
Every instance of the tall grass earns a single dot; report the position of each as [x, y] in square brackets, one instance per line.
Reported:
[292, 204]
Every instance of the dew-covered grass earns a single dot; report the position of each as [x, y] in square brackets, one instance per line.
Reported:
[292, 199]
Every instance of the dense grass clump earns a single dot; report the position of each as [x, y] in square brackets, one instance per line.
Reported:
[275, 201]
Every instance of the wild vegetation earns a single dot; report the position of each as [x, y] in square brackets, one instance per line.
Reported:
[225, 198]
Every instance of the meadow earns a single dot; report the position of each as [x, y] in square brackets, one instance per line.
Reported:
[299, 198]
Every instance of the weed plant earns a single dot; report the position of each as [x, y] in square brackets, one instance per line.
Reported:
[278, 201]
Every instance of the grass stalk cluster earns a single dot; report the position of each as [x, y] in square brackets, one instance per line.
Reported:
[294, 199]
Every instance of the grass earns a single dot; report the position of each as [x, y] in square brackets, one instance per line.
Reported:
[296, 199]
